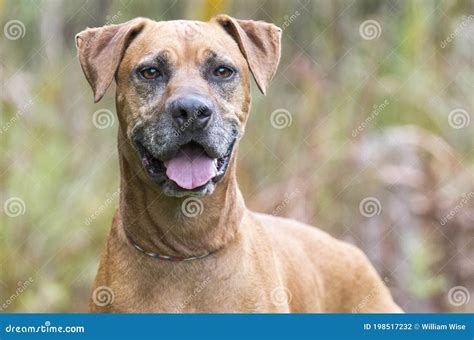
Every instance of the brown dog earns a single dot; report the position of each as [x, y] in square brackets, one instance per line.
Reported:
[182, 239]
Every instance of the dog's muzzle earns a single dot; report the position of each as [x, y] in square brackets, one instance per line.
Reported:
[193, 169]
[186, 148]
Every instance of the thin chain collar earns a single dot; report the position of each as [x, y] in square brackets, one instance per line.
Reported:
[166, 257]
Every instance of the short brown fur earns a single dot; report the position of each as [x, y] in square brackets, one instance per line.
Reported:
[259, 263]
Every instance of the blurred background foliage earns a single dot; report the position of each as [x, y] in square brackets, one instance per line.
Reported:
[339, 149]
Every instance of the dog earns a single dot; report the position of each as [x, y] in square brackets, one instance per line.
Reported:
[182, 239]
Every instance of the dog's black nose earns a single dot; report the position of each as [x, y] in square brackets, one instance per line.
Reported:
[191, 112]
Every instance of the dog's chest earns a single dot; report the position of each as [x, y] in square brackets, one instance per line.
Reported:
[180, 288]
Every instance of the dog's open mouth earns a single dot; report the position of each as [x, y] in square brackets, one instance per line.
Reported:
[190, 168]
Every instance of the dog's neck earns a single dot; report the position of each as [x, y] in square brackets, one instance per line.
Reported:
[167, 226]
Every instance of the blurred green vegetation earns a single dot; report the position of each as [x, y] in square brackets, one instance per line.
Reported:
[318, 169]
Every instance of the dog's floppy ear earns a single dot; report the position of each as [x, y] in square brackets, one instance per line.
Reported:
[259, 42]
[101, 49]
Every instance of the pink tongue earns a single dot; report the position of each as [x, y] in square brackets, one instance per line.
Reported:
[191, 167]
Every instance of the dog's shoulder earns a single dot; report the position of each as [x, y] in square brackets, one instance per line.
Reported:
[344, 272]
[315, 245]
[293, 239]
[305, 236]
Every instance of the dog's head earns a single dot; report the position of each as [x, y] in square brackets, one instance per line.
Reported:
[183, 92]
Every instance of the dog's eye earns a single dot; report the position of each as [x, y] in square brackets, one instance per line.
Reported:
[223, 72]
[150, 73]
